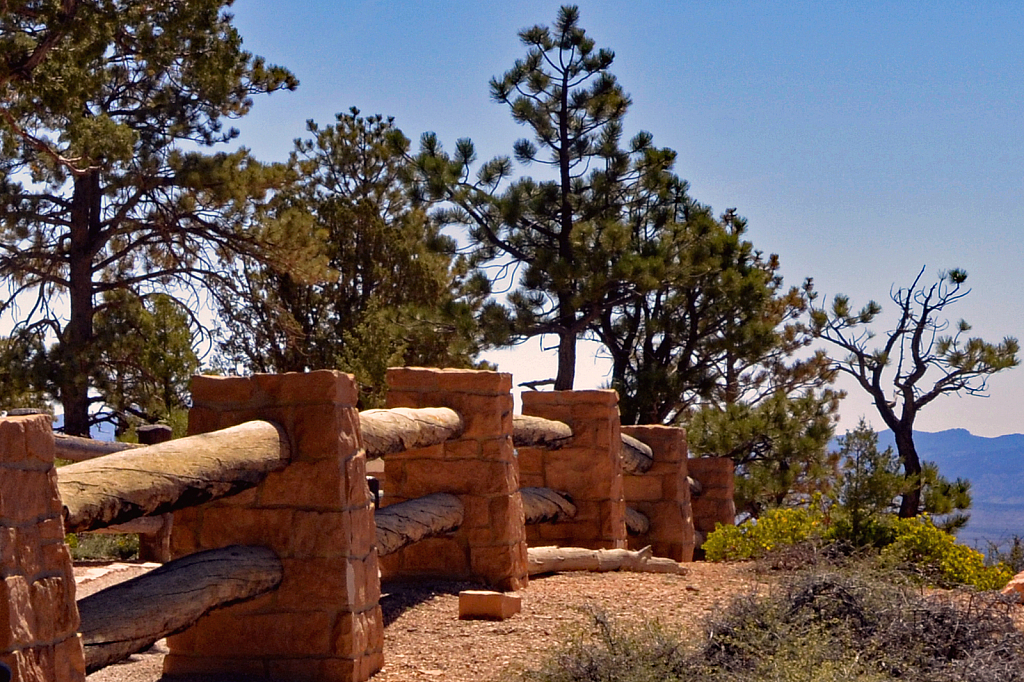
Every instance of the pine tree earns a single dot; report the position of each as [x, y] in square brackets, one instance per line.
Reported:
[394, 291]
[568, 238]
[917, 348]
[104, 186]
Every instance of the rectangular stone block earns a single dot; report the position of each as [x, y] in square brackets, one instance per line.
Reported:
[13, 446]
[304, 633]
[69, 660]
[488, 605]
[26, 496]
[531, 462]
[221, 390]
[646, 488]
[179, 665]
[18, 622]
[319, 386]
[224, 526]
[355, 633]
[435, 555]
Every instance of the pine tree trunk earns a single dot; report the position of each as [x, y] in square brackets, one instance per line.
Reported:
[76, 346]
[566, 361]
[910, 503]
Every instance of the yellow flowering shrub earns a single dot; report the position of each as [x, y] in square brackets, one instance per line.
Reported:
[776, 528]
[935, 552]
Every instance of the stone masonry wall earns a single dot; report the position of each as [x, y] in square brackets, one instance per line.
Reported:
[38, 614]
[323, 623]
[715, 502]
[662, 494]
[589, 468]
[480, 467]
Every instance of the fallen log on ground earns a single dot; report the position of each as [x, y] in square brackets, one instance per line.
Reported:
[130, 616]
[637, 457]
[78, 449]
[560, 559]
[404, 523]
[400, 429]
[637, 523]
[543, 505]
[173, 475]
[537, 431]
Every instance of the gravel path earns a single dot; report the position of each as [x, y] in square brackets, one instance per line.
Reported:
[425, 640]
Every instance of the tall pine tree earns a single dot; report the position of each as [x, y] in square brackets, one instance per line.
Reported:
[568, 237]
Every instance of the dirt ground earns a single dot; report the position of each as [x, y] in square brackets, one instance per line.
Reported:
[425, 640]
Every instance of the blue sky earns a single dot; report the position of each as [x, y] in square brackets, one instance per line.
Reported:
[861, 140]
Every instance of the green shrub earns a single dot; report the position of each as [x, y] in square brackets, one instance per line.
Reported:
[876, 532]
[936, 555]
[95, 546]
[752, 539]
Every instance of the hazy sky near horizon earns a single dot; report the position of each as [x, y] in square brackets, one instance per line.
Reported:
[862, 141]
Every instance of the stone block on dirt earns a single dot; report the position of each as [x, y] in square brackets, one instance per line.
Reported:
[488, 605]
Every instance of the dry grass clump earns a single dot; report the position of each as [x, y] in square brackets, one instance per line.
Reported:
[827, 624]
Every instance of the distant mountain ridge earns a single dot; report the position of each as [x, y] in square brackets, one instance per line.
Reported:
[995, 468]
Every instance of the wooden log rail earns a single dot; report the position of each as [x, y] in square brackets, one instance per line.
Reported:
[544, 505]
[539, 432]
[404, 523]
[130, 616]
[399, 429]
[173, 475]
[637, 457]
[637, 523]
[79, 449]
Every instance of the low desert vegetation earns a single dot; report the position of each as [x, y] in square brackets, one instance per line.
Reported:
[851, 619]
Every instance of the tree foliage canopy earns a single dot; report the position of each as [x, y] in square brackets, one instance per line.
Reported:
[394, 292]
[104, 185]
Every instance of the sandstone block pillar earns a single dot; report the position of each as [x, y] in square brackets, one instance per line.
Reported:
[480, 467]
[589, 468]
[715, 503]
[323, 623]
[662, 494]
[38, 615]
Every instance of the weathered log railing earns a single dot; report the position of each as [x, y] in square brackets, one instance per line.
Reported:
[79, 449]
[160, 478]
[544, 505]
[404, 523]
[399, 429]
[129, 617]
[637, 457]
[537, 431]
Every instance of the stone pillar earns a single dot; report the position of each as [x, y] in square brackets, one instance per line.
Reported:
[480, 467]
[38, 614]
[589, 468]
[715, 502]
[156, 546]
[323, 623]
[662, 494]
